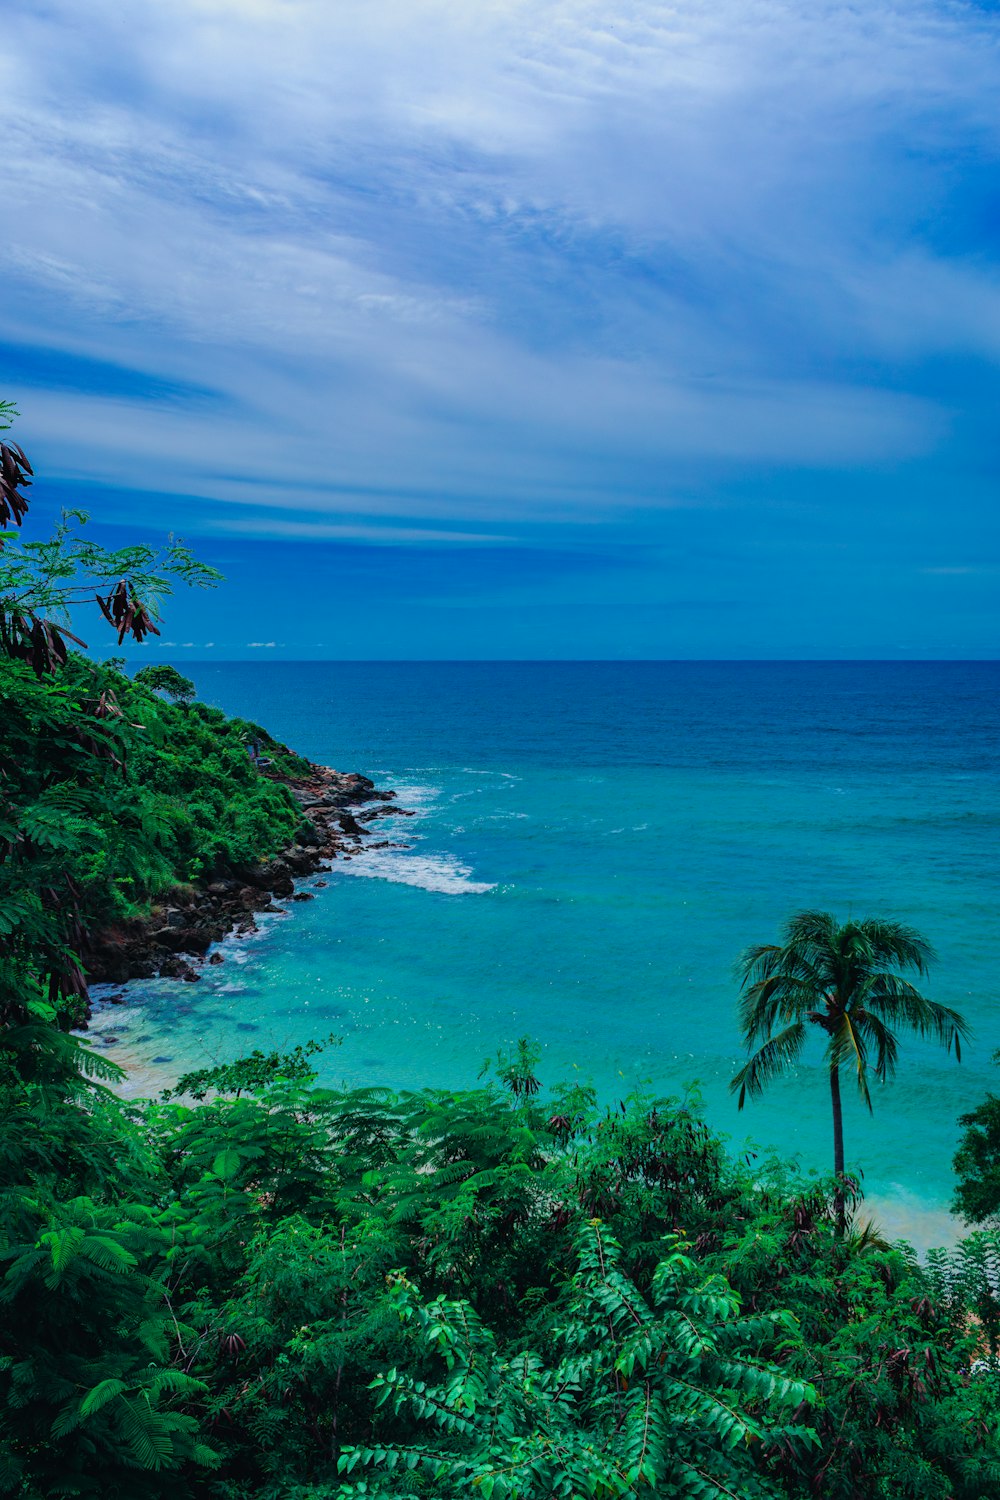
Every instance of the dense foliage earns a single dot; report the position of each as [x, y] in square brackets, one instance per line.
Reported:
[162, 678]
[977, 1162]
[110, 794]
[303, 1293]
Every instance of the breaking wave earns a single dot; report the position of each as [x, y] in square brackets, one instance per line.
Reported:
[428, 872]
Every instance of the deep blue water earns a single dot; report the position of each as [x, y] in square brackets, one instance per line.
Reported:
[596, 844]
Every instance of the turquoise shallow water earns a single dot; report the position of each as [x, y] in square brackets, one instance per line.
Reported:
[595, 843]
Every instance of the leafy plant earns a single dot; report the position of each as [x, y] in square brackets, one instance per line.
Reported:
[977, 1161]
[630, 1393]
[165, 679]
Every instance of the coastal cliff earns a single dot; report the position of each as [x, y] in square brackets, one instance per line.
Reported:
[186, 920]
[140, 826]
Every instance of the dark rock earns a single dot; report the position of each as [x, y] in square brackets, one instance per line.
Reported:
[191, 976]
[183, 939]
[303, 896]
[255, 900]
[260, 876]
[171, 938]
[300, 862]
[321, 884]
[189, 919]
[216, 958]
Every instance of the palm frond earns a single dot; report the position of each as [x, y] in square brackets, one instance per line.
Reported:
[886, 1045]
[813, 934]
[756, 963]
[769, 1062]
[778, 1000]
[893, 994]
[897, 943]
[847, 1045]
[898, 1003]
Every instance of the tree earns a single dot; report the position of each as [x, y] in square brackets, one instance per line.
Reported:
[166, 679]
[843, 979]
[633, 1392]
[42, 582]
[57, 748]
[977, 1161]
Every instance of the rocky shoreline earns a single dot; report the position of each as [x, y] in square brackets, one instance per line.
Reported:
[175, 938]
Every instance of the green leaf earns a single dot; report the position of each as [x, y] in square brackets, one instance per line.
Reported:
[226, 1164]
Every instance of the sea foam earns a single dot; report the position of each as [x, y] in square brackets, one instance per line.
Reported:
[428, 872]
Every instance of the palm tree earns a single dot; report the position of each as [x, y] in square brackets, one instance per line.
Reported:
[843, 979]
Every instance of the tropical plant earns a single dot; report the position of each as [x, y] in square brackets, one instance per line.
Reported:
[844, 979]
[234, 1299]
[632, 1393]
[977, 1161]
[162, 678]
[42, 582]
[91, 1401]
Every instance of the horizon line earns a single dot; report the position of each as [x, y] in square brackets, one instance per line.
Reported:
[542, 661]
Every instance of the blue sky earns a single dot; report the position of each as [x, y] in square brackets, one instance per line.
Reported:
[477, 328]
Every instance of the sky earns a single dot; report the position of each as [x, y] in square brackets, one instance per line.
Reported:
[517, 328]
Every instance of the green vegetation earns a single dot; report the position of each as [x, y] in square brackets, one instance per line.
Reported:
[110, 797]
[303, 1293]
[977, 1162]
[167, 680]
[43, 582]
[109, 793]
[267, 1290]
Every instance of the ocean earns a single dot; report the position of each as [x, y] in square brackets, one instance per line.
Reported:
[593, 845]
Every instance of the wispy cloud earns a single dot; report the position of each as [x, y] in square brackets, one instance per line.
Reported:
[458, 270]
[281, 526]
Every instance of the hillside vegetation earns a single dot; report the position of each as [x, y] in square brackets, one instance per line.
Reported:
[302, 1293]
[111, 795]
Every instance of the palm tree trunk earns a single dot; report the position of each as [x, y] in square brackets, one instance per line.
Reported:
[838, 1147]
